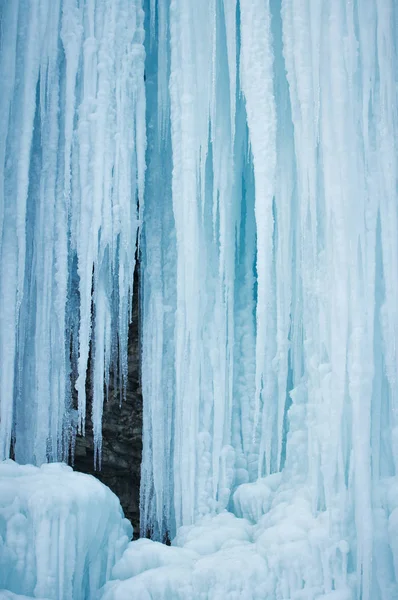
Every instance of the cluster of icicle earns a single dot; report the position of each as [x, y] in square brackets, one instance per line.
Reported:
[72, 164]
[269, 252]
[270, 260]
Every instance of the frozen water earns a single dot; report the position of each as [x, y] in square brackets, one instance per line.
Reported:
[269, 259]
[72, 163]
[274, 546]
[60, 532]
[7, 595]
[270, 318]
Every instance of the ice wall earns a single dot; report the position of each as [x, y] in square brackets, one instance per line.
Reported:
[269, 262]
[72, 163]
[269, 306]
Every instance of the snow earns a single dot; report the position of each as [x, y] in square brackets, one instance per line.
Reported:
[286, 554]
[274, 546]
[60, 532]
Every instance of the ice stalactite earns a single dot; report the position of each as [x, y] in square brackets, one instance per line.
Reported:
[73, 140]
[282, 165]
[269, 274]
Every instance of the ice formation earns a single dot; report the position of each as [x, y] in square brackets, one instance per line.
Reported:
[60, 532]
[7, 595]
[72, 164]
[270, 281]
[269, 261]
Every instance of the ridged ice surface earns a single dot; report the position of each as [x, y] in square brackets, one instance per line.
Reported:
[269, 263]
[270, 317]
[72, 163]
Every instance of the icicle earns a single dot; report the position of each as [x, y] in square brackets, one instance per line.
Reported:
[264, 211]
[8, 317]
[72, 173]
[184, 194]
[257, 86]
[230, 26]
[298, 204]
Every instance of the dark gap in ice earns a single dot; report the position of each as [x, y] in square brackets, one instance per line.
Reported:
[121, 427]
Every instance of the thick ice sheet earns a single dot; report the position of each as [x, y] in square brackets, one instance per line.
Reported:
[61, 532]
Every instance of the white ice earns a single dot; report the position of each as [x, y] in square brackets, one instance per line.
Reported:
[270, 318]
[72, 164]
[60, 532]
[257, 169]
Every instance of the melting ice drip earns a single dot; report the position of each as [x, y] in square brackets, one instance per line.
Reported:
[269, 265]
[72, 163]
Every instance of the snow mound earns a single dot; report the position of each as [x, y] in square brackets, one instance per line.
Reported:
[61, 532]
[276, 548]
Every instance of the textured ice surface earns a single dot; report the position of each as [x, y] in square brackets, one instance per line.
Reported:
[72, 163]
[272, 546]
[269, 257]
[60, 532]
[286, 556]
[277, 548]
[270, 316]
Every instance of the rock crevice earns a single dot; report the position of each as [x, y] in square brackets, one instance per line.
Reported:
[121, 431]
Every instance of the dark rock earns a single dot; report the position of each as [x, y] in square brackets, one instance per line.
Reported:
[121, 431]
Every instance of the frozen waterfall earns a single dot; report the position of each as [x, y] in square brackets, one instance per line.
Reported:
[256, 167]
[72, 168]
[270, 262]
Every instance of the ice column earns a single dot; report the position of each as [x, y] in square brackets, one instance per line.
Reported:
[72, 164]
[281, 175]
